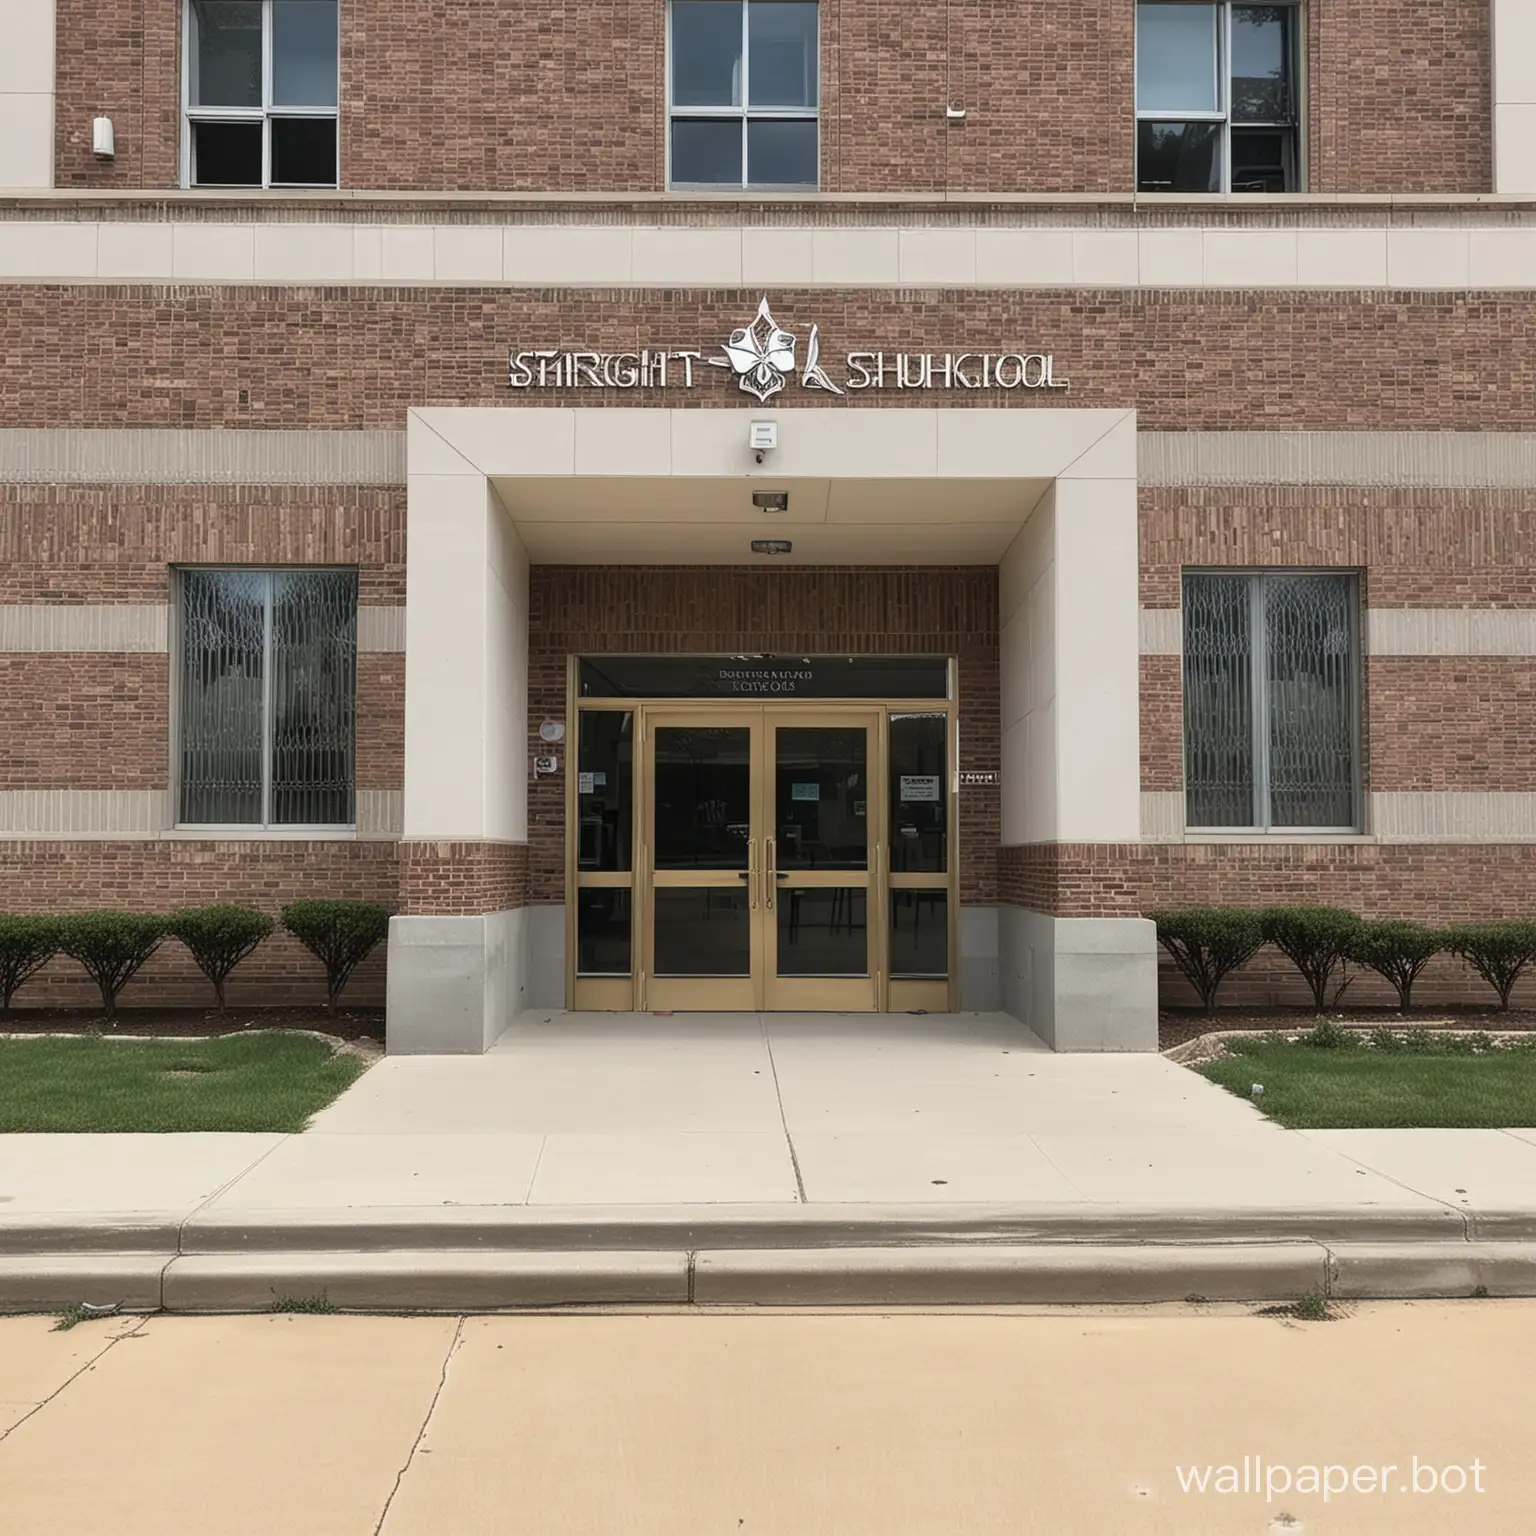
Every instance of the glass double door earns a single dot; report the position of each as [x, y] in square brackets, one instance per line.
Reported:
[760, 858]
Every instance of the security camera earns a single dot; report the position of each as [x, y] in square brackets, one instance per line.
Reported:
[763, 438]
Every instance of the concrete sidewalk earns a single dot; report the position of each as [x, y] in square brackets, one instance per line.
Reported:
[619, 1158]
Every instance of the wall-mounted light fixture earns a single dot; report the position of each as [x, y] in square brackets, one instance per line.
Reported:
[771, 501]
[103, 140]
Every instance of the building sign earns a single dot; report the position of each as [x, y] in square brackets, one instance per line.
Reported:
[762, 358]
[979, 780]
[917, 787]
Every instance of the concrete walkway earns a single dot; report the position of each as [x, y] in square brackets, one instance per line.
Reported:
[700, 1134]
[772, 1424]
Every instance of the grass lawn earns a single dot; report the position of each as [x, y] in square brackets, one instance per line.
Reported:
[1377, 1080]
[265, 1082]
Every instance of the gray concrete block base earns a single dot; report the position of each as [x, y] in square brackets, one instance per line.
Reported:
[1080, 983]
[454, 983]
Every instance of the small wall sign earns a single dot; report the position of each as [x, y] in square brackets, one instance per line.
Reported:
[979, 780]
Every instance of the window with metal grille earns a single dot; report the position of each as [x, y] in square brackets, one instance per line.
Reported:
[1271, 701]
[267, 703]
[1217, 98]
[261, 93]
[742, 93]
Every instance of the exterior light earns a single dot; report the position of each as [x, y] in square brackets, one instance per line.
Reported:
[771, 546]
[771, 501]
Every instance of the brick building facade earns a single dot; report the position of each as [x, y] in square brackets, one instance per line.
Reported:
[1224, 519]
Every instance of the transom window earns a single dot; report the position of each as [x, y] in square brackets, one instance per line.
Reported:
[743, 93]
[1271, 701]
[1216, 98]
[261, 93]
[267, 703]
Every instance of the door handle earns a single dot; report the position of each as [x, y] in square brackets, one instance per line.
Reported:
[749, 874]
[772, 859]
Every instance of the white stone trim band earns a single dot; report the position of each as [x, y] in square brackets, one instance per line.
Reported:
[1450, 460]
[66, 456]
[138, 814]
[42, 627]
[1439, 257]
[1393, 632]
[1444, 816]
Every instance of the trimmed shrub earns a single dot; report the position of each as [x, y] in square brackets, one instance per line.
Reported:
[111, 946]
[1398, 951]
[1498, 952]
[339, 934]
[27, 944]
[1208, 942]
[218, 938]
[1316, 940]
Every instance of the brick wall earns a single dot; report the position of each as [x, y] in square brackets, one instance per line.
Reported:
[160, 875]
[579, 610]
[118, 356]
[448, 878]
[485, 96]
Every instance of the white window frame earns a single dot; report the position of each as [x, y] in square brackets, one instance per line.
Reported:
[1261, 825]
[262, 114]
[266, 827]
[1223, 112]
[746, 113]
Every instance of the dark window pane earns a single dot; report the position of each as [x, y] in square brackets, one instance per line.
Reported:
[919, 934]
[781, 154]
[223, 643]
[226, 154]
[1309, 634]
[303, 151]
[823, 932]
[1264, 160]
[225, 65]
[1176, 68]
[919, 791]
[602, 932]
[304, 53]
[706, 53]
[702, 932]
[1178, 157]
[705, 152]
[821, 797]
[1261, 64]
[314, 697]
[1218, 701]
[604, 774]
[703, 797]
[781, 53]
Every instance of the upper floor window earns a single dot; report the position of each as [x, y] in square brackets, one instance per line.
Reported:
[267, 699]
[743, 93]
[261, 89]
[1217, 98]
[1271, 701]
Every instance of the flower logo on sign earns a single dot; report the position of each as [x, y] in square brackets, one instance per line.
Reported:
[762, 355]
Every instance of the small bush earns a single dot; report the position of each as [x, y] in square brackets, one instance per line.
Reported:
[1316, 940]
[1329, 1035]
[1498, 952]
[1398, 951]
[27, 944]
[219, 938]
[339, 934]
[1208, 942]
[111, 946]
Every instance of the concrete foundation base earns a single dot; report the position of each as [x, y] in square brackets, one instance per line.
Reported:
[1080, 983]
[455, 983]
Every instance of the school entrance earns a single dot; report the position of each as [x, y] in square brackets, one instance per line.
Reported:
[762, 832]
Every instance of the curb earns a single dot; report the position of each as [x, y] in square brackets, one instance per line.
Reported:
[947, 1275]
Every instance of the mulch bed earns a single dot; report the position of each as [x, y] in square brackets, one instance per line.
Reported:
[347, 1024]
[1176, 1025]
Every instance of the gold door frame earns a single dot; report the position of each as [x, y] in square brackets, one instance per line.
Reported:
[631, 993]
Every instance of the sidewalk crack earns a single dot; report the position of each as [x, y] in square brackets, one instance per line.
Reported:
[421, 1434]
[100, 1353]
[224, 1188]
[778, 1094]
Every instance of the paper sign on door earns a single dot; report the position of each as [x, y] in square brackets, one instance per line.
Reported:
[919, 786]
